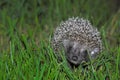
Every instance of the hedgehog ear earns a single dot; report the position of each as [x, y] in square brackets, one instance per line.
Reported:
[68, 45]
[94, 52]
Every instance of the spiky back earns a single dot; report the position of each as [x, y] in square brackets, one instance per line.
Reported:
[77, 29]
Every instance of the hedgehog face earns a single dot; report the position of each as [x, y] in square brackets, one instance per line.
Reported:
[75, 53]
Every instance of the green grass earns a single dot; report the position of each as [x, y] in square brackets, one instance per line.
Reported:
[26, 28]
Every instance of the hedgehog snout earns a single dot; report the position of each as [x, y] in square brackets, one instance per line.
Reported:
[74, 58]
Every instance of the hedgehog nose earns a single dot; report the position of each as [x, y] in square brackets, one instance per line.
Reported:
[74, 58]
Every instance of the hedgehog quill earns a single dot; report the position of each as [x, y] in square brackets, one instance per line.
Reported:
[79, 39]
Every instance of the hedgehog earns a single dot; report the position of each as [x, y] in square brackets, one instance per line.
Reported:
[79, 40]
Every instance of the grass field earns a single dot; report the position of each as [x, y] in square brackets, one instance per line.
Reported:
[26, 28]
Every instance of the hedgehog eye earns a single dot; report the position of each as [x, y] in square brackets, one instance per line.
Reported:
[85, 53]
[69, 48]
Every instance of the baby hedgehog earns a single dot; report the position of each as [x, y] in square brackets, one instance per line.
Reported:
[79, 39]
